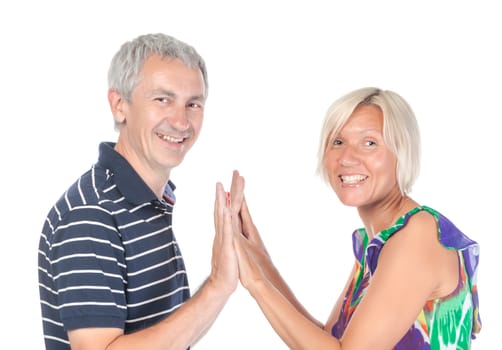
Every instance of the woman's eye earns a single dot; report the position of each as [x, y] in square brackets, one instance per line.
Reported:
[337, 142]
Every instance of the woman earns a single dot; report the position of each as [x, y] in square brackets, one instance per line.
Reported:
[413, 284]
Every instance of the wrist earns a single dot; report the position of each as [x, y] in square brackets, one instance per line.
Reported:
[217, 289]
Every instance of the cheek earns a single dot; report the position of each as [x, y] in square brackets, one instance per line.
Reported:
[196, 121]
[330, 165]
[328, 168]
[330, 161]
[386, 165]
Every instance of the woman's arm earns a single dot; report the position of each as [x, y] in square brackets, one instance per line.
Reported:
[409, 273]
[256, 246]
[413, 268]
[295, 328]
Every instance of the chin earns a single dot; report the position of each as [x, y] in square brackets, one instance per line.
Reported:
[173, 162]
[351, 202]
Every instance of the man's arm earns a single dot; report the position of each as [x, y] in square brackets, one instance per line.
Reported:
[193, 319]
[178, 331]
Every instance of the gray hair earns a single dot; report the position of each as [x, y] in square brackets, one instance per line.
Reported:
[400, 130]
[126, 65]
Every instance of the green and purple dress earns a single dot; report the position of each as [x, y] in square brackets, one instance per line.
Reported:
[449, 322]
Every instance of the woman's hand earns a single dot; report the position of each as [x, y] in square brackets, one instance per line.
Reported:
[224, 271]
[254, 260]
[250, 231]
[251, 271]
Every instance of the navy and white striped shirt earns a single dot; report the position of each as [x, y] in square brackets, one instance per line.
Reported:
[107, 254]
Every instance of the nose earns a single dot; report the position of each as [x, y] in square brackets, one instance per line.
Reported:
[349, 157]
[179, 119]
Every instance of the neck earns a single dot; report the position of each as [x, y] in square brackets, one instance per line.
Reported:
[156, 179]
[380, 215]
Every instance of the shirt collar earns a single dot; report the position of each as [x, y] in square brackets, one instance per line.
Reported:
[129, 183]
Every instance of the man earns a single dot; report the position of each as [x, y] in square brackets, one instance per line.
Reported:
[111, 274]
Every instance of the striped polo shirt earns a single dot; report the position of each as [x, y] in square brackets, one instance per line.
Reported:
[107, 254]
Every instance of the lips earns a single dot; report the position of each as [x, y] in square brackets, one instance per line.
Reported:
[169, 138]
[352, 179]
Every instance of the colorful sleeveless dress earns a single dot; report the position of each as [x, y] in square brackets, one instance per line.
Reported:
[444, 323]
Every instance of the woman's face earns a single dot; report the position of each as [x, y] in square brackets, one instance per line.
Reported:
[361, 168]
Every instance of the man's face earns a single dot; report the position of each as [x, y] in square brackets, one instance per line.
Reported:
[164, 116]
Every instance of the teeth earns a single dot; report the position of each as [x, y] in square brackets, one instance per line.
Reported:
[352, 179]
[170, 138]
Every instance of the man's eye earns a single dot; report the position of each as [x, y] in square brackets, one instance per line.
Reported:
[195, 105]
[370, 143]
[162, 99]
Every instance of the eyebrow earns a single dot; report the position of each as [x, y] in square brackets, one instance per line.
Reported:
[169, 93]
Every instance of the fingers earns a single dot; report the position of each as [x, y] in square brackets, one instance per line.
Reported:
[242, 253]
[240, 250]
[236, 198]
[224, 261]
[236, 191]
[219, 207]
[250, 269]
[248, 227]
[245, 211]
[228, 231]
[215, 209]
[233, 201]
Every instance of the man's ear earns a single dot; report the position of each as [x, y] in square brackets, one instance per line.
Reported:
[117, 104]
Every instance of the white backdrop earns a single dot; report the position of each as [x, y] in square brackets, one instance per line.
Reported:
[274, 68]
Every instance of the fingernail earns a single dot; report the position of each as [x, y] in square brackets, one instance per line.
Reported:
[228, 198]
